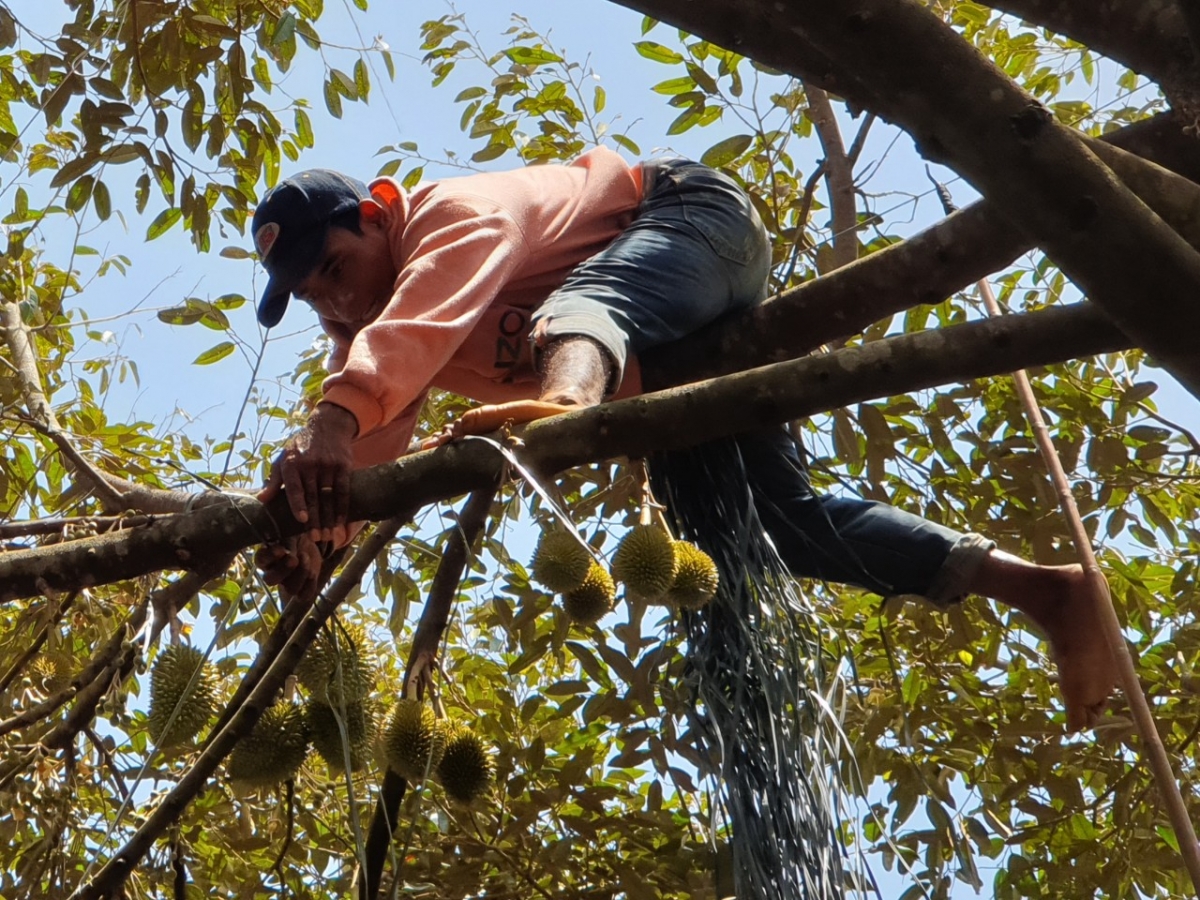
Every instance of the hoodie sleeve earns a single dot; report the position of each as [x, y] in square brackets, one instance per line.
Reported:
[458, 252]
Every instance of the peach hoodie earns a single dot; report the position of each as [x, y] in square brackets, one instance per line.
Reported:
[476, 255]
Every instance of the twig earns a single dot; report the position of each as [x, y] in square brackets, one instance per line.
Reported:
[112, 876]
[277, 866]
[15, 669]
[421, 658]
[98, 743]
[94, 524]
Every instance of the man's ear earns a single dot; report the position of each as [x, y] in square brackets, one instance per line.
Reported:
[374, 213]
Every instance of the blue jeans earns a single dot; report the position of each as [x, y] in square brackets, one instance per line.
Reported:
[695, 251]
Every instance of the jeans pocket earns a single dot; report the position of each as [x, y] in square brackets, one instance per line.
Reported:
[723, 215]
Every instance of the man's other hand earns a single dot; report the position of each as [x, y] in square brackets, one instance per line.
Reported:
[314, 471]
[293, 565]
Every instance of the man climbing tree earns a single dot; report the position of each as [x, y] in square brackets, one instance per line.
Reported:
[533, 291]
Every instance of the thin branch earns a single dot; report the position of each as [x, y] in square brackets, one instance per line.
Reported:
[1160, 763]
[88, 524]
[422, 657]
[23, 660]
[41, 414]
[114, 873]
[839, 176]
[109, 762]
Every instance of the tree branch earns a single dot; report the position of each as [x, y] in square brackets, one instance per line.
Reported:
[41, 413]
[1035, 170]
[674, 418]
[839, 176]
[428, 637]
[107, 881]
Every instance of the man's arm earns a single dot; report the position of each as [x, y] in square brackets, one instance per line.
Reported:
[575, 373]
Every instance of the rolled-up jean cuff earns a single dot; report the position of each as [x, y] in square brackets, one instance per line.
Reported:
[597, 326]
[949, 585]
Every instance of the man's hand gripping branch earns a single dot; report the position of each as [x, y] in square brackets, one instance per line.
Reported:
[314, 472]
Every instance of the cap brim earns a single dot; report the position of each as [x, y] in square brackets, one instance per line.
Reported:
[290, 266]
[274, 304]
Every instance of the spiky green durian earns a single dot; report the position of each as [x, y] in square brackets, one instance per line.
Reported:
[414, 739]
[560, 562]
[696, 579]
[359, 722]
[465, 769]
[335, 669]
[645, 561]
[273, 751]
[181, 681]
[593, 599]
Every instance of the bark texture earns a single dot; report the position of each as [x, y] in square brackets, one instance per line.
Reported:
[666, 420]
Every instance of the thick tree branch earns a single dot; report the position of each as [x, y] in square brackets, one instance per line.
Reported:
[670, 419]
[107, 881]
[1035, 170]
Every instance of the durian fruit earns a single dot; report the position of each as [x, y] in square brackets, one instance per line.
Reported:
[273, 751]
[560, 562]
[180, 679]
[335, 670]
[645, 561]
[593, 599]
[359, 722]
[413, 739]
[465, 769]
[696, 579]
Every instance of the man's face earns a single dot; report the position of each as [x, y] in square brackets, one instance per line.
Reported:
[354, 278]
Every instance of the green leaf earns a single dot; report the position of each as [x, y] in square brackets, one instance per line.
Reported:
[628, 143]
[362, 81]
[214, 354]
[333, 102]
[490, 152]
[470, 93]
[532, 56]
[726, 151]
[657, 52]
[162, 222]
[413, 178]
[598, 99]
[102, 201]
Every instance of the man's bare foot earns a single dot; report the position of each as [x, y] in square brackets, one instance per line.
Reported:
[1059, 600]
[1087, 671]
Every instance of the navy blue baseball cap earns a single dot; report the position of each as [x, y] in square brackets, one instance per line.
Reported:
[289, 230]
